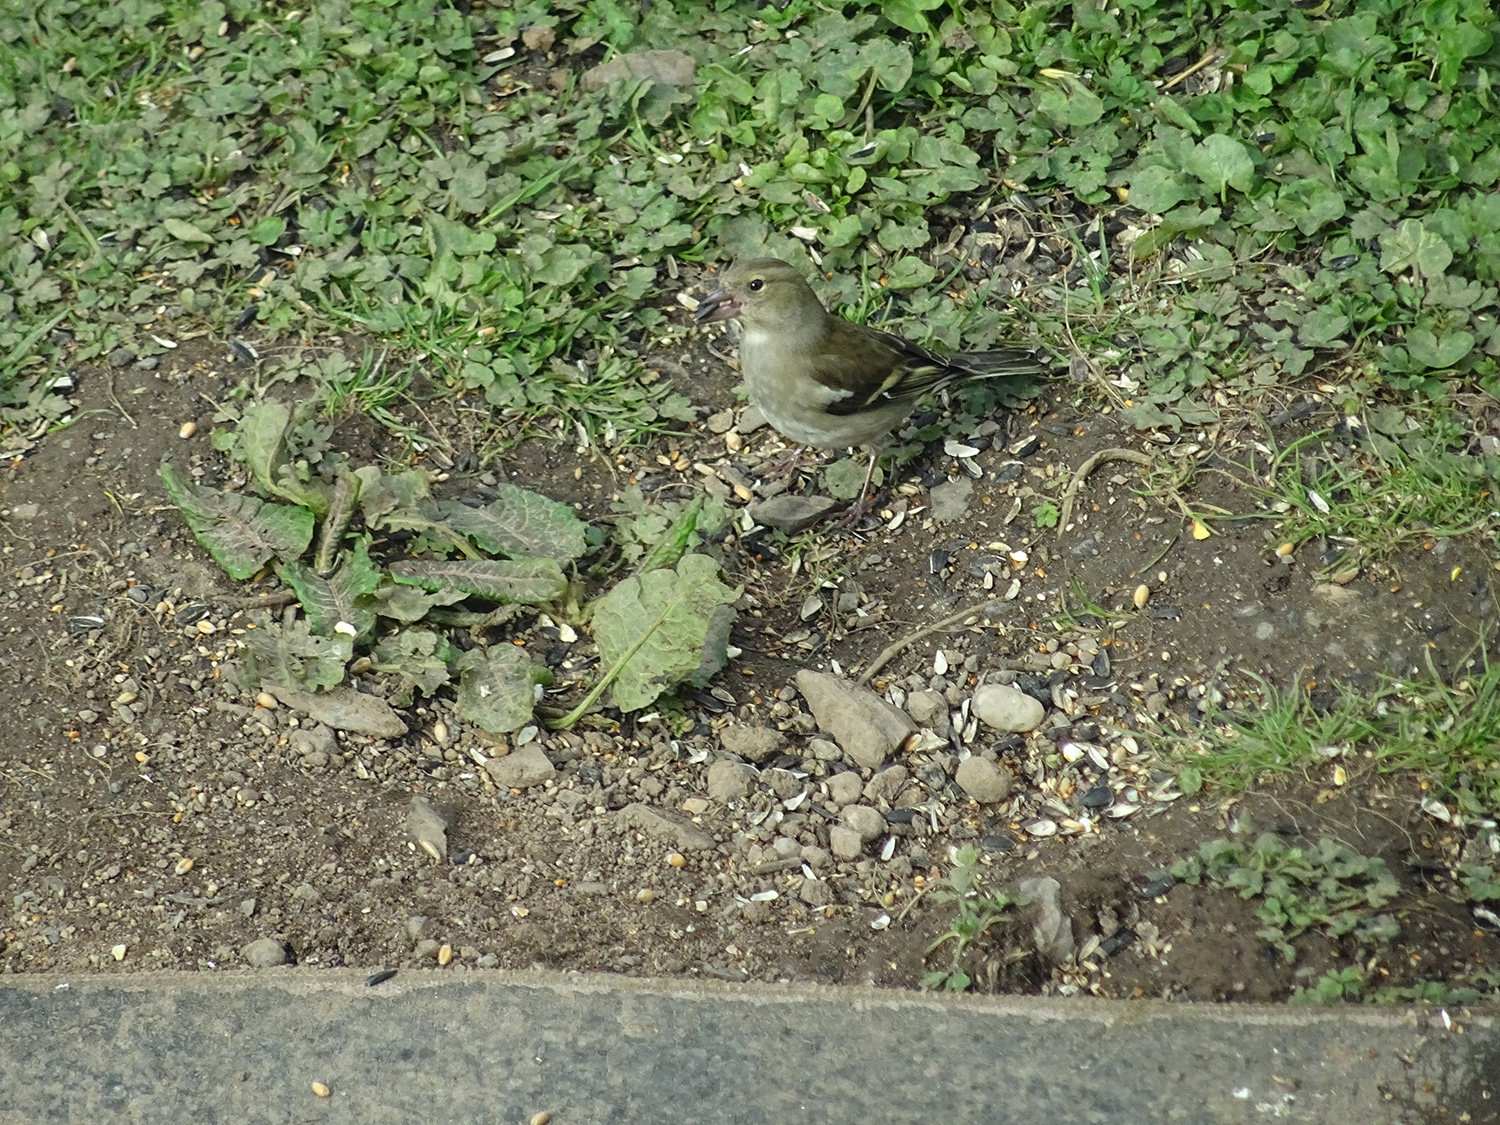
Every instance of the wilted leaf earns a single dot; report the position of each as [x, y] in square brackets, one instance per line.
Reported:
[260, 442]
[497, 687]
[289, 655]
[658, 629]
[527, 581]
[844, 478]
[184, 231]
[408, 603]
[331, 601]
[520, 523]
[240, 532]
[418, 657]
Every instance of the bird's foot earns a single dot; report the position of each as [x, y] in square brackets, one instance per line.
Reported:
[854, 515]
[787, 464]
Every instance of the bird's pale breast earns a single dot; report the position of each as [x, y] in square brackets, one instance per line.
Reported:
[798, 408]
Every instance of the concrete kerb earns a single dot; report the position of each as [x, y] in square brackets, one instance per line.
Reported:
[434, 1046]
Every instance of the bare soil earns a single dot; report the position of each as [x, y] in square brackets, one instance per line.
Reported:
[125, 752]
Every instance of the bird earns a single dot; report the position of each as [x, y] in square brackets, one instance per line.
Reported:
[824, 381]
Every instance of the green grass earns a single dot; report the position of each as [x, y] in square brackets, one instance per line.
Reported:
[1448, 735]
[1385, 493]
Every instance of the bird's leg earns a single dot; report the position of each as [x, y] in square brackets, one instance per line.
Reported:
[856, 511]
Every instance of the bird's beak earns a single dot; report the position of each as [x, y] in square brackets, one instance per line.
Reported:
[718, 305]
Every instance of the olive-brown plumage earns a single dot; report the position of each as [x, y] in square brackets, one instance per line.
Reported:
[820, 379]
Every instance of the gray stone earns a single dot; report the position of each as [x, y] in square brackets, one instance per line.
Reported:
[427, 828]
[845, 843]
[316, 739]
[929, 709]
[686, 835]
[865, 726]
[823, 750]
[790, 514]
[1051, 928]
[1007, 708]
[751, 419]
[729, 781]
[949, 501]
[754, 744]
[815, 893]
[844, 788]
[265, 953]
[672, 68]
[983, 780]
[815, 857]
[786, 848]
[886, 785]
[343, 708]
[427, 949]
[864, 820]
[720, 423]
[417, 925]
[784, 783]
[522, 768]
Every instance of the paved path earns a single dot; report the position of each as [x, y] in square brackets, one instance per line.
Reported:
[434, 1047]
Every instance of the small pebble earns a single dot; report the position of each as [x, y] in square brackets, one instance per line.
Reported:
[118, 952]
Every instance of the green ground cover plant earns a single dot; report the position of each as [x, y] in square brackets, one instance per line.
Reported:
[1319, 181]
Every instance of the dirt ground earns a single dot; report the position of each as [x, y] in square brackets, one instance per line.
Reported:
[153, 815]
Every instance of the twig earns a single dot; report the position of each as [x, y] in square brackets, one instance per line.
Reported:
[948, 622]
[118, 405]
[1190, 71]
[1071, 493]
[905, 910]
[265, 601]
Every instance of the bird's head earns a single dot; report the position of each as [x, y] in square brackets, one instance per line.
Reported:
[760, 291]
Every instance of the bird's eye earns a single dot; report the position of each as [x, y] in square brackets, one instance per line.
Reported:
[757, 285]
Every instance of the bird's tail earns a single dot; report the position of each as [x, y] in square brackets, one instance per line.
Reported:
[999, 363]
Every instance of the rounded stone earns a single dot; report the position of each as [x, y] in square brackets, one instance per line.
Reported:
[845, 843]
[264, 953]
[862, 819]
[729, 781]
[983, 780]
[1006, 708]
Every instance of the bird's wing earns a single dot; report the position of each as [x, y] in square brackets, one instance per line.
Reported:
[870, 369]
